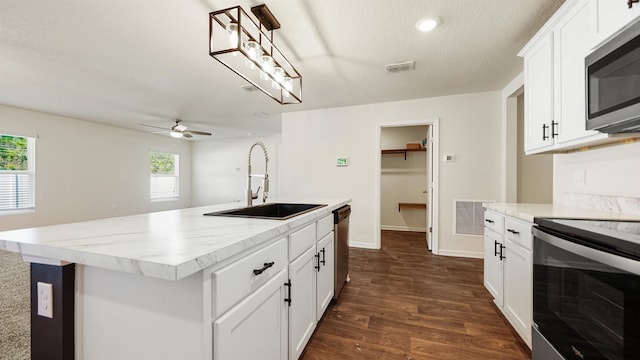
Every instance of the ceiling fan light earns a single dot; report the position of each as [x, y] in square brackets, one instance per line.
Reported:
[176, 134]
[179, 128]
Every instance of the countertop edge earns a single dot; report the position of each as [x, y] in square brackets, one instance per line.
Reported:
[159, 270]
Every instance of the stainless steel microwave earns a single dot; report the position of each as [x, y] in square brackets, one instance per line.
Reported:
[613, 83]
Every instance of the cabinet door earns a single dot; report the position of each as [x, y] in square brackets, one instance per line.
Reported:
[324, 275]
[613, 16]
[493, 265]
[302, 312]
[538, 93]
[259, 320]
[574, 36]
[518, 294]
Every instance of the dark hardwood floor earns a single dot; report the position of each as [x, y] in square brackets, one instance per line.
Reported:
[404, 303]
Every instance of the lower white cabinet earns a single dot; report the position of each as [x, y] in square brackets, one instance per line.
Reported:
[256, 328]
[267, 303]
[325, 270]
[302, 310]
[493, 265]
[508, 272]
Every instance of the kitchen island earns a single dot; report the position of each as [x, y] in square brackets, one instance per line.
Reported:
[155, 286]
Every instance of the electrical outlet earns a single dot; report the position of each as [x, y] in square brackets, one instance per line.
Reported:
[45, 300]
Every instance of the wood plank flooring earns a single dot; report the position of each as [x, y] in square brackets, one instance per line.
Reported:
[404, 303]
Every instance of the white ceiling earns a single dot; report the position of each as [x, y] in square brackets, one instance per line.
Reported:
[127, 62]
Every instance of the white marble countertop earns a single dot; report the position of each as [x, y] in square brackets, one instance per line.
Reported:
[527, 212]
[168, 245]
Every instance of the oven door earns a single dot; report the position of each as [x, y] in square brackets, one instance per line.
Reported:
[585, 299]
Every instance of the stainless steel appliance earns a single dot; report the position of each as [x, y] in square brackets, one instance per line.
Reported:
[341, 248]
[613, 83]
[586, 289]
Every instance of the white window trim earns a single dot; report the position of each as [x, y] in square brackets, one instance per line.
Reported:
[31, 164]
[176, 176]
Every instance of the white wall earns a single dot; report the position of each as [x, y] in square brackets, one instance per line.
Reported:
[219, 169]
[86, 170]
[470, 129]
[402, 180]
[535, 172]
[612, 171]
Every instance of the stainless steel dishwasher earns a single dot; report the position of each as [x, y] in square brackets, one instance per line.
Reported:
[341, 248]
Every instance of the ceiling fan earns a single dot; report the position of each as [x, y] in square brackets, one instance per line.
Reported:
[178, 130]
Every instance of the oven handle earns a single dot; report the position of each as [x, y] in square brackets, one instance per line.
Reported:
[615, 261]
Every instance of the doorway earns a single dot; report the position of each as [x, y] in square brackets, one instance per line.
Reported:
[407, 179]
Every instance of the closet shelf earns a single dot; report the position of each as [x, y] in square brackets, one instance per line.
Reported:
[411, 206]
[400, 151]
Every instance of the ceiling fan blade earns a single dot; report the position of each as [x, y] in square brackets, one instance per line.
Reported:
[196, 132]
[188, 136]
[153, 126]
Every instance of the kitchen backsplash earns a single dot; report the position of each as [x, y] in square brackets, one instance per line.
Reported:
[603, 179]
[622, 204]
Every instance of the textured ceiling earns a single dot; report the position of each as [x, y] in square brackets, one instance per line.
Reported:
[126, 62]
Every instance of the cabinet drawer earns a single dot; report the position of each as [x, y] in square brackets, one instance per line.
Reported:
[325, 226]
[234, 282]
[494, 222]
[301, 240]
[518, 231]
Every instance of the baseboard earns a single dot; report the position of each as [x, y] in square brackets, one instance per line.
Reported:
[362, 245]
[461, 253]
[403, 228]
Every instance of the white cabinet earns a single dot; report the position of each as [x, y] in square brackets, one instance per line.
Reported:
[508, 269]
[555, 80]
[518, 276]
[574, 36]
[302, 310]
[554, 72]
[613, 16]
[493, 265]
[256, 328]
[538, 94]
[324, 274]
[274, 296]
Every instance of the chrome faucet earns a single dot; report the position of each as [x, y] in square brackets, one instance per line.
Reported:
[265, 177]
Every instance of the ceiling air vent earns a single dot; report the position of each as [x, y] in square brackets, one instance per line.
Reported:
[398, 67]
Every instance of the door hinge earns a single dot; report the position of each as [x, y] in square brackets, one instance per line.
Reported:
[430, 229]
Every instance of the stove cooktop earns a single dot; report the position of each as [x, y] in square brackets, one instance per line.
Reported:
[623, 236]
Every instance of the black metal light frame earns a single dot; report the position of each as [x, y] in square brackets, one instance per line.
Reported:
[237, 58]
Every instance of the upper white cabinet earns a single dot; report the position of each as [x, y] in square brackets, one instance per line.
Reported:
[574, 36]
[538, 80]
[554, 74]
[613, 16]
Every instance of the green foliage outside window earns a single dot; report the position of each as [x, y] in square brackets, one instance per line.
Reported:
[13, 153]
[162, 163]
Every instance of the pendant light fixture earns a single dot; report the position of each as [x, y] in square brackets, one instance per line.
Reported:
[247, 49]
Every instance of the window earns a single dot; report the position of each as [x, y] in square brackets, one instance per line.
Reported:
[17, 172]
[164, 175]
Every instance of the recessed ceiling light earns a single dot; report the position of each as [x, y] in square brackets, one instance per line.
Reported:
[427, 24]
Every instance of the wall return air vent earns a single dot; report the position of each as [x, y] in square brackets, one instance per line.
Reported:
[398, 67]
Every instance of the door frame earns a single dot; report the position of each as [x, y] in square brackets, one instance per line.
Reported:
[432, 206]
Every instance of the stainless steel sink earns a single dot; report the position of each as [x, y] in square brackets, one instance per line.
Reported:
[276, 211]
